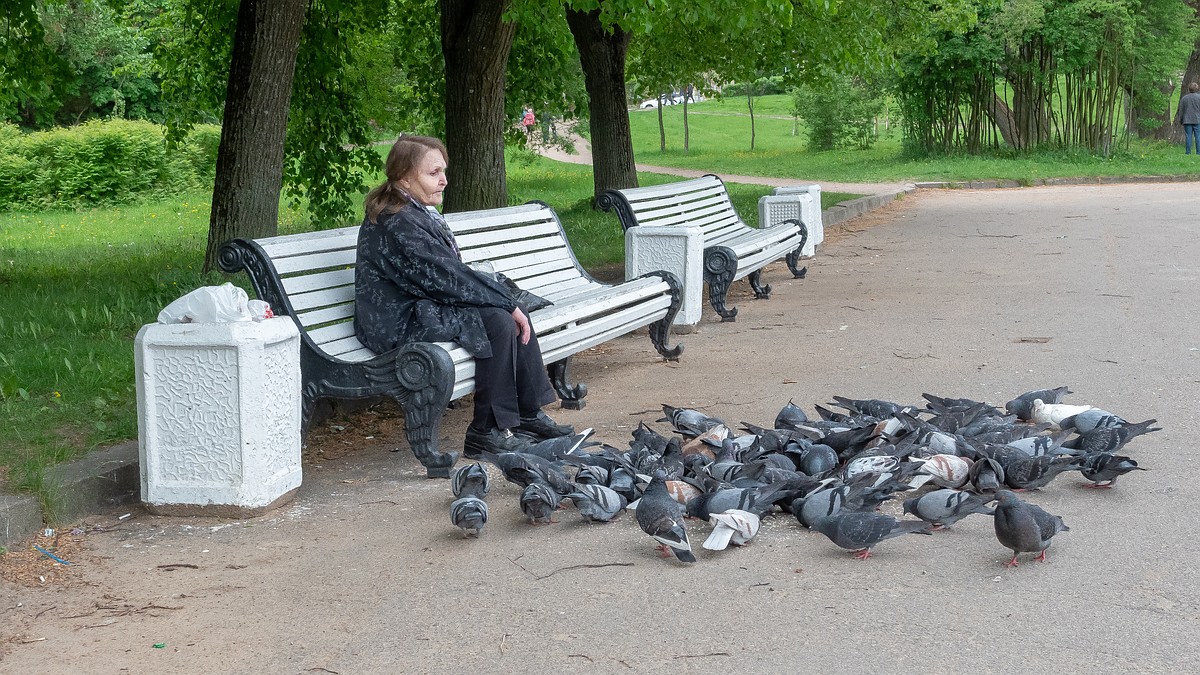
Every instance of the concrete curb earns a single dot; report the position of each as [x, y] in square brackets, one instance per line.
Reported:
[104, 478]
[841, 212]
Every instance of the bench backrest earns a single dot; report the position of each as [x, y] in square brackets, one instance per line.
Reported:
[315, 270]
[699, 202]
[526, 243]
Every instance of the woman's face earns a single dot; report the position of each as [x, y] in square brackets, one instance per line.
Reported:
[427, 179]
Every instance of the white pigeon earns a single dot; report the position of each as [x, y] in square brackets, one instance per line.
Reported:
[1053, 413]
[734, 526]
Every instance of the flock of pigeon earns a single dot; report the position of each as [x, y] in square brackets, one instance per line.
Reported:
[830, 473]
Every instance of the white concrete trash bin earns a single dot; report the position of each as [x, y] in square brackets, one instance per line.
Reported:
[218, 416]
[675, 249]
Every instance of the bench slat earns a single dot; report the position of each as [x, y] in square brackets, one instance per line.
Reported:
[318, 281]
[586, 307]
[326, 315]
[554, 248]
[471, 221]
[577, 338]
[469, 241]
[677, 187]
[647, 211]
[309, 242]
[302, 302]
[317, 261]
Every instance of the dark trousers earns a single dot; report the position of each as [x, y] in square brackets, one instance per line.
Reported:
[513, 382]
[1191, 136]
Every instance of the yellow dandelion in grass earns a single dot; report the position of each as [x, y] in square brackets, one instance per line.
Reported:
[57, 394]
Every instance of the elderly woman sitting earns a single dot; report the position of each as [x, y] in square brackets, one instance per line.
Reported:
[411, 285]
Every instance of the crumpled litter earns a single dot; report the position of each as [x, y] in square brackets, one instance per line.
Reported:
[215, 304]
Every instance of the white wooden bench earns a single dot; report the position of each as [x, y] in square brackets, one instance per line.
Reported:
[310, 277]
[732, 249]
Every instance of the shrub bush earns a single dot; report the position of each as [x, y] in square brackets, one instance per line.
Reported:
[839, 114]
[100, 162]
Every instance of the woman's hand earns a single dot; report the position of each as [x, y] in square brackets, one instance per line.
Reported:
[523, 328]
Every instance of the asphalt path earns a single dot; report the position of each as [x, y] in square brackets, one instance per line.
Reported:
[983, 294]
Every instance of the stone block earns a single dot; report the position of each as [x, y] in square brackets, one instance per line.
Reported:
[810, 213]
[678, 250]
[218, 416]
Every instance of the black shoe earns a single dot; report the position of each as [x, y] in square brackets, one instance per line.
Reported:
[542, 426]
[494, 440]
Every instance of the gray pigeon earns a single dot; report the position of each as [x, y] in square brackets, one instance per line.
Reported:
[859, 532]
[471, 479]
[470, 514]
[986, 475]
[1111, 439]
[1103, 468]
[538, 503]
[590, 474]
[1031, 473]
[1092, 419]
[1024, 527]
[1022, 406]
[790, 417]
[820, 503]
[661, 517]
[1036, 446]
[689, 422]
[871, 406]
[597, 503]
[562, 446]
[943, 508]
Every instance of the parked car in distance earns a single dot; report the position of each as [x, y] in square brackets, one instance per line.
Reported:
[668, 99]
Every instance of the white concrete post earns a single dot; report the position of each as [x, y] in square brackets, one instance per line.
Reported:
[675, 249]
[218, 416]
[810, 212]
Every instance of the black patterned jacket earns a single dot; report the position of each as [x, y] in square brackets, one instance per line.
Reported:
[410, 285]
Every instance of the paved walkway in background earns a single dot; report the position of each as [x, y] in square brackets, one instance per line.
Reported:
[977, 293]
[583, 155]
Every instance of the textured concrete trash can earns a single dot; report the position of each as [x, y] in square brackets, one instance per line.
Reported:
[218, 416]
[678, 250]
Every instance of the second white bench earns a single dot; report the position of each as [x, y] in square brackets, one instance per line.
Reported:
[732, 249]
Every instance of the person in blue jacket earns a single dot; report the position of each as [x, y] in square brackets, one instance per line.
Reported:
[1188, 114]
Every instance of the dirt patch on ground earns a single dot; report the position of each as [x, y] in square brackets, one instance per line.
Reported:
[47, 559]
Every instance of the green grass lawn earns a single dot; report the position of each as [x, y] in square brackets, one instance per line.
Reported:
[720, 142]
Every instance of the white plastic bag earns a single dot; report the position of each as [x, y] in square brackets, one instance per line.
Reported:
[215, 304]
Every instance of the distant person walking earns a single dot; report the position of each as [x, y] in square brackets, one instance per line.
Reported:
[1188, 115]
[528, 120]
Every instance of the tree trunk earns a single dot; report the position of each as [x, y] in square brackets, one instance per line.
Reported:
[662, 130]
[602, 55]
[1002, 117]
[475, 46]
[249, 171]
[750, 104]
[685, 125]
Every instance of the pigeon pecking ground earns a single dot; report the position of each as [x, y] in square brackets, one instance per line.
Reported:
[833, 474]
